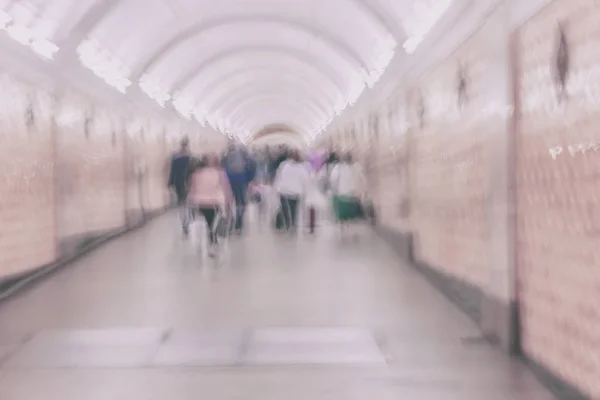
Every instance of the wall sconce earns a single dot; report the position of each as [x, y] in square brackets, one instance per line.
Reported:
[25, 36]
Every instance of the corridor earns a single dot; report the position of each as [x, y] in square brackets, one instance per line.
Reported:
[143, 317]
[470, 127]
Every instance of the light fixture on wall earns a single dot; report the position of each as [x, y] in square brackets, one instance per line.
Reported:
[200, 116]
[107, 67]
[385, 51]
[5, 19]
[219, 124]
[355, 91]
[154, 90]
[24, 35]
[422, 18]
[183, 105]
[134, 127]
[44, 48]
[19, 33]
[68, 116]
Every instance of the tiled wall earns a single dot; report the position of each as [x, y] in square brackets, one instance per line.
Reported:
[557, 170]
[27, 215]
[448, 162]
[91, 170]
[390, 164]
[63, 180]
[558, 195]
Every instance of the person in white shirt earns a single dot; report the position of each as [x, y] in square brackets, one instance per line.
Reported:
[348, 186]
[292, 181]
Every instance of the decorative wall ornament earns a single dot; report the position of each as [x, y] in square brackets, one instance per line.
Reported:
[375, 126]
[421, 109]
[462, 96]
[561, 63]
[87, 124]
[30, 115]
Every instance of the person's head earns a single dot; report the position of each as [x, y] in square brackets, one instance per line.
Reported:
[196, 164]
[332, 158]
[185, 144]
[211, 160]
[294, 155]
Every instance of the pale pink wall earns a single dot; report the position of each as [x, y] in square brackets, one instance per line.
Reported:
[389, 149]
[448, 166]
[91, 171]
[156, 153]
[558, 199]
[27, 218]
[59, 185]
[557, 193]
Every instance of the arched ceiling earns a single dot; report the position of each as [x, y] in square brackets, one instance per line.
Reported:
[237, 65]
[274, 128]
[278, 138]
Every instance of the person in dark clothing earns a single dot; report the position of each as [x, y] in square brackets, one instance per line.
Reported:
[332, 158]
[178, 176]
[241, 171]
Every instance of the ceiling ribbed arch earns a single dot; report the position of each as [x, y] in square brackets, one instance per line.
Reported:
[192, 54]
[327, 71]
[247, 104]
[282, 88]
[257, 73]
[333, 44]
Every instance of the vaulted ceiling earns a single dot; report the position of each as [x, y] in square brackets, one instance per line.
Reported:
[237, 66]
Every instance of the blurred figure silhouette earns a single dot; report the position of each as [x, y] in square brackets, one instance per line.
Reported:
[291, 183]
[241, 170]
[209, 194]
[178, 174]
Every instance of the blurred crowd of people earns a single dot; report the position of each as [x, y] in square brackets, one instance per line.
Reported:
[214, 184]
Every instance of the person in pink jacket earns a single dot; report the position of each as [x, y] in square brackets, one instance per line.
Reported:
[209, 193]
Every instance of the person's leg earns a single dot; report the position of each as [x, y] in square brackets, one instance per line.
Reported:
[184, 212]
[293, 204]
[338, 212]
[286, 212]
[209, 214]
[240, 217]
[239, 194]
[312, 219]
[262, 209]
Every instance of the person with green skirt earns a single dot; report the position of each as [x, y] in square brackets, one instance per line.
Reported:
[348, 186]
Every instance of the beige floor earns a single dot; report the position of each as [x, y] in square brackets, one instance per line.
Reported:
[146, 317]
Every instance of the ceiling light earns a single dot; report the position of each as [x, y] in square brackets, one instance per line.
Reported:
[412, 43]
[19, 33]
[154, 90]
[104, 65]
[44, 48]
[184, 105]
[5, 19]
[24, 35]
[424, 16]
